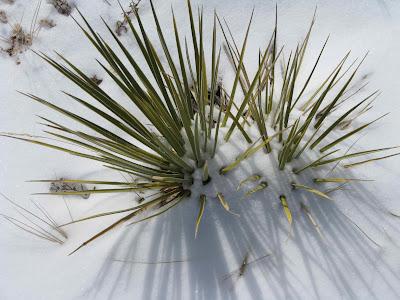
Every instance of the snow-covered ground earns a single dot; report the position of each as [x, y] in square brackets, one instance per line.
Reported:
[345, 264]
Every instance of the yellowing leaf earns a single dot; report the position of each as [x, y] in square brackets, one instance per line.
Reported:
[225, 204]
[337, 180]
[261, 186]
[286, 209]
[200, 215]
[311, 190]
[251, 178]
[310, 218]
[205, 177]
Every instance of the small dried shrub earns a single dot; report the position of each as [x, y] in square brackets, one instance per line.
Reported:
[47, 23]
[3, 17]
[62, 6]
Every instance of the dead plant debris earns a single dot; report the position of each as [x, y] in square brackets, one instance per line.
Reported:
[121, 27]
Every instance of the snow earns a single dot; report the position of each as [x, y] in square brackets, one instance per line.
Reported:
[344, 264]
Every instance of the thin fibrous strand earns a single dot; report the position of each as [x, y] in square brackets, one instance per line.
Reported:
[346, 123]
[310, 217]
[36, 227]
[225, 204]
[340, 119]
[313, 163]
[174, 202]
[311, 190]
[307, 106]
[32, 231]
[25, 210]
[51, 220]
[245, 262]
[202, 202]
[369, 160]
[341, 102]
[139, 207]
[337, 97]
[351, 133]
[337, 188]
[150, 262]
[351, 155]
[339, 161]
[362, 231]
[41, 230]
[338, 180]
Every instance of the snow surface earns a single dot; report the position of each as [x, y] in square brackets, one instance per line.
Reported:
[343, 265]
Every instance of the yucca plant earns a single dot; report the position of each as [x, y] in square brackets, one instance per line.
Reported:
[191, 114]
